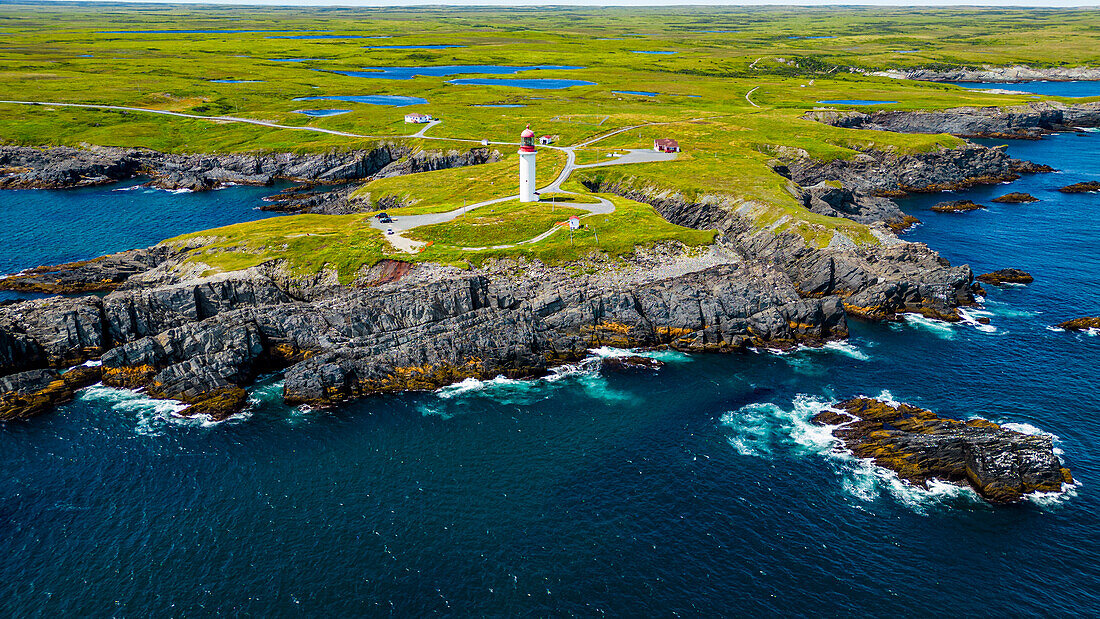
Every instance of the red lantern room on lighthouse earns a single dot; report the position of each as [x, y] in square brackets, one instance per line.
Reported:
[527, 166]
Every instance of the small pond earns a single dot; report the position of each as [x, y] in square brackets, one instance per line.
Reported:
[407, 73]
[855, 102]
[1054, 89]
[199, 31]
[640, 93]
[329, 36]
[539, 83]
[332, 112]
[394, 100]
[411, 46]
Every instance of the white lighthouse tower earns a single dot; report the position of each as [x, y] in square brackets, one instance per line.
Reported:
[527, 166]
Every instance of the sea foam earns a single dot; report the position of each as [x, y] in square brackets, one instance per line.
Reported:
[151, 415]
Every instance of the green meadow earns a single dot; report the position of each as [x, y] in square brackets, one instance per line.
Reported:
[733, 91]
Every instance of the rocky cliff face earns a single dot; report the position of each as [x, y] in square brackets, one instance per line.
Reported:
[198, 340]
[1028, 122]
[875, 282]
[65, 167]
[1016, 73]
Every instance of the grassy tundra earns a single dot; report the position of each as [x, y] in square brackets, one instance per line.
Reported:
[732, 91]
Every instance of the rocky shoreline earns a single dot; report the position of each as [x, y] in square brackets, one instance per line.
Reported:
[1007, 75]
[154, 324]
[65, 167]
[1030, 121]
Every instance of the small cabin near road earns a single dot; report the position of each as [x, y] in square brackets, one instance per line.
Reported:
[665, 145]
[417, 118]
[546, 139]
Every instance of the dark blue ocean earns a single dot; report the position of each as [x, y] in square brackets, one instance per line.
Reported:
[52, 227]
[703, 491]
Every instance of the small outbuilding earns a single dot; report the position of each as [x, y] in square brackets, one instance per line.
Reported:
[546, 139]
[665, 145]
[417, 118]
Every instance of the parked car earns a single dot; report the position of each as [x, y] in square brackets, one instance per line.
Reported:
[389, 230]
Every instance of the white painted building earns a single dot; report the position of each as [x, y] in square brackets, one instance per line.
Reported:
[417, 118]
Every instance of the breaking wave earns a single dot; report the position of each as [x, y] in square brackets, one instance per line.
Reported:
[151, 415]
[939, 328]
[583, 375]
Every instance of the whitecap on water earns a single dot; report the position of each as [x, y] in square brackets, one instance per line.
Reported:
[151, 415]
[660, 355]
[940, 328]
[584, 374]
[862, 479]
[1054, 500]
[848, 350]
[761, 428]
[970, 317]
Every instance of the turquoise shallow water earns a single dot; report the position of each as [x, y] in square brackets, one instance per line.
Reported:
[701, 491]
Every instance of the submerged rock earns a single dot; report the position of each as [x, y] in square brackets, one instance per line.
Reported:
[1006, 276]
[1080, 324]
[957, 206]
[1001, 465]
[1085, 187]
[1015, 197]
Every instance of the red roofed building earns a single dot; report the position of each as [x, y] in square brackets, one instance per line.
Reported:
[665, 145]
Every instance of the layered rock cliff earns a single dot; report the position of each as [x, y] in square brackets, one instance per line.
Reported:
[197, 339]
[988, 73]
[65, 167]
[1029, 121]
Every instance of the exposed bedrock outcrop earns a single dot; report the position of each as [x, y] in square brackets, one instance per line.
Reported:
[1029, 121]
[956, 206]
[101, 274]
[1006, 276]
[28, 394]
[1015, 197]
[1085, 187]
[1088, 323]
[875, 282]
[200, 340]
[1002, 465]
[886, 174]
[64, 167]
[988, 73]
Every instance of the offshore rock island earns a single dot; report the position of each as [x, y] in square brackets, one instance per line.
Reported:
[1001, 465]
